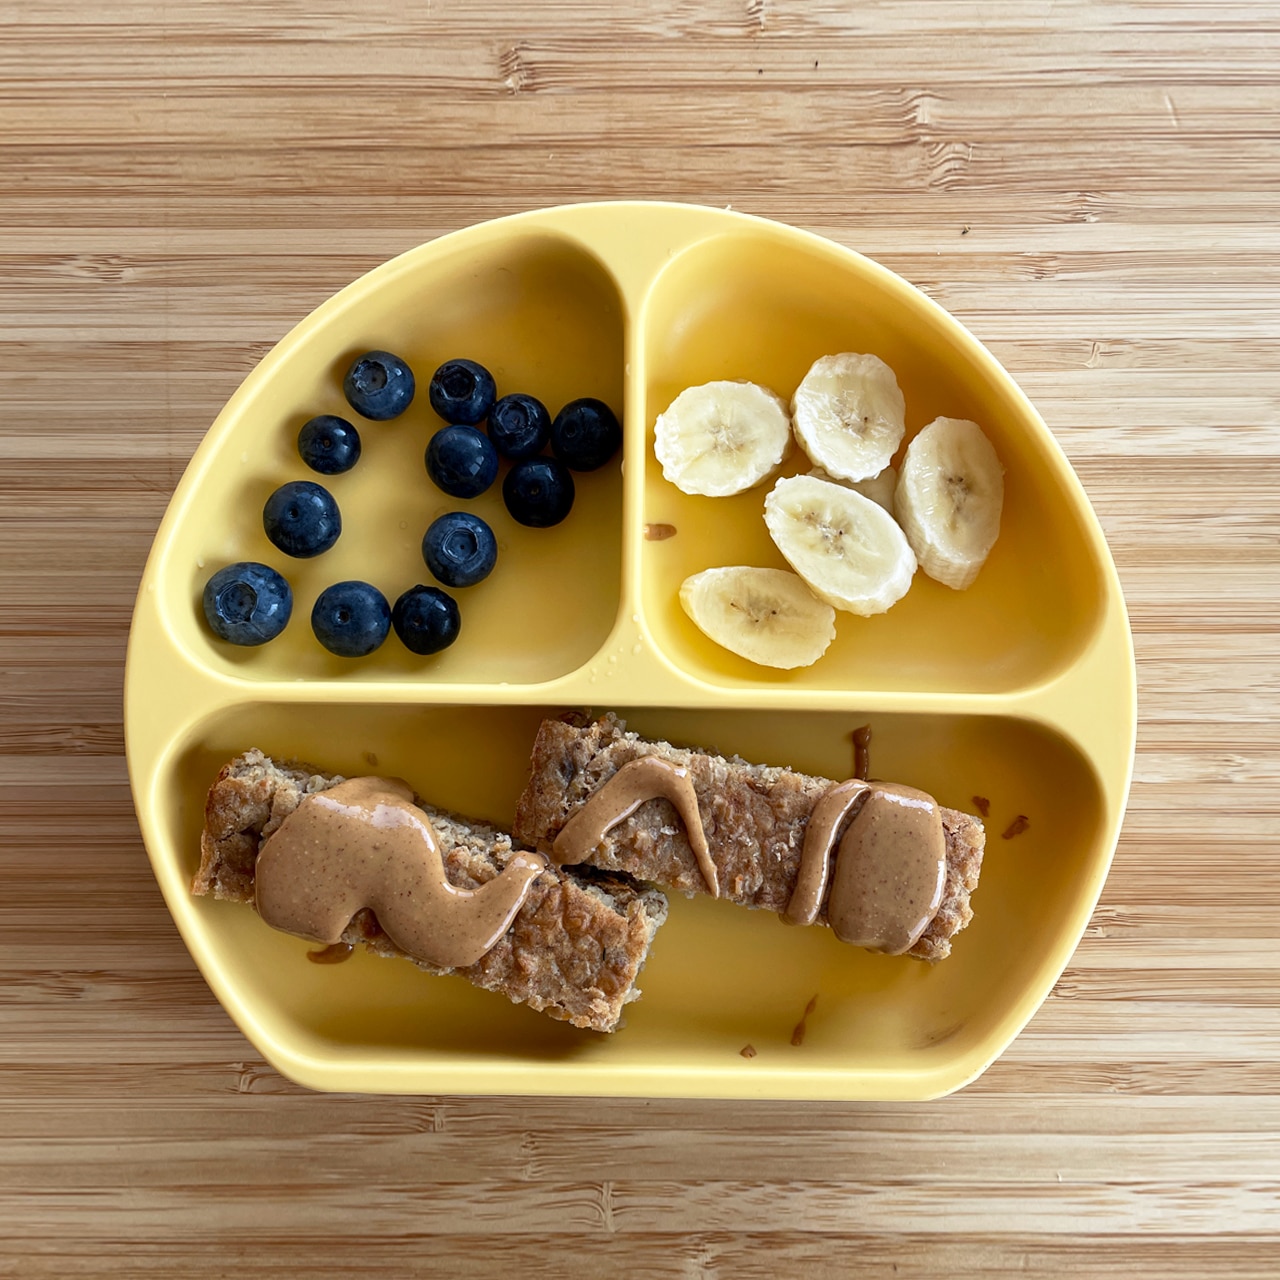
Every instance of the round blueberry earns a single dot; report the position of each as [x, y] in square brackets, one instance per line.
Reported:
[329, 445]
[519, 426]
[585, 434]
[462, 392]
[462, 461]
[379, 385]
[302, 519]
[426, 620]
[538, 492]
[460, 549]
[351, 619]
[247, 603]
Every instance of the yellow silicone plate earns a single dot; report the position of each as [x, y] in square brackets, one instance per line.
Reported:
[1020, 689]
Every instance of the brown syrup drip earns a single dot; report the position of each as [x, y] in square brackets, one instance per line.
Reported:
[797, 1034]
[659, 532]
[1016, 827]
[365, 844]
[335, 954]
[862, 752]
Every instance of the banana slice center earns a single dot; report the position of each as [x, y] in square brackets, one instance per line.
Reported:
[758, 610]
[726, 430]
[959, 495]
[838, 540]
[851, 415]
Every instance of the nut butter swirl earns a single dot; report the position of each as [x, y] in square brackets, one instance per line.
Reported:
[634, 784]
[834, 806]
[365, 844]
[890, 865]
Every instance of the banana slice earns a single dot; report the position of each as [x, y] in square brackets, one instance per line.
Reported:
[767, 616]
[848, 549]
[879, 488]
[949, 498]
[722, 438]
[849, 415]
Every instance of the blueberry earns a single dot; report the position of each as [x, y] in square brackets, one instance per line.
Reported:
[302, 519]
[426, 619]
[462, 392]
[247, 603]
[329, 445]
[379, 385]
[462, 461]
[351, 619]
[538, 492]
[585, 434]
[519, 426]
[460, 549]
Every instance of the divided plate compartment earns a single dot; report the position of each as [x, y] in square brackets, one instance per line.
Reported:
[1020, 690]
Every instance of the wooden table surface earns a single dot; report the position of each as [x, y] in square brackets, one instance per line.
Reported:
[1091, 187]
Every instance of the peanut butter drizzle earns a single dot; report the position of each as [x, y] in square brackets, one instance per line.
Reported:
[890, 868]
[834, 806]
[890, 871]
[364, 843]
[637, 782]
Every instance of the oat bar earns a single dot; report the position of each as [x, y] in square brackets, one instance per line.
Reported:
[573, 951]
[754, 817]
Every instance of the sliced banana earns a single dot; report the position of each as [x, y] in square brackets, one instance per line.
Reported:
[722, 438]
[767, 616]
[849, 415]
[848, 549]
[879, 488]
[949, 498]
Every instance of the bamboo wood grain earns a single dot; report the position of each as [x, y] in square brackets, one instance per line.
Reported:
[1089, 186]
